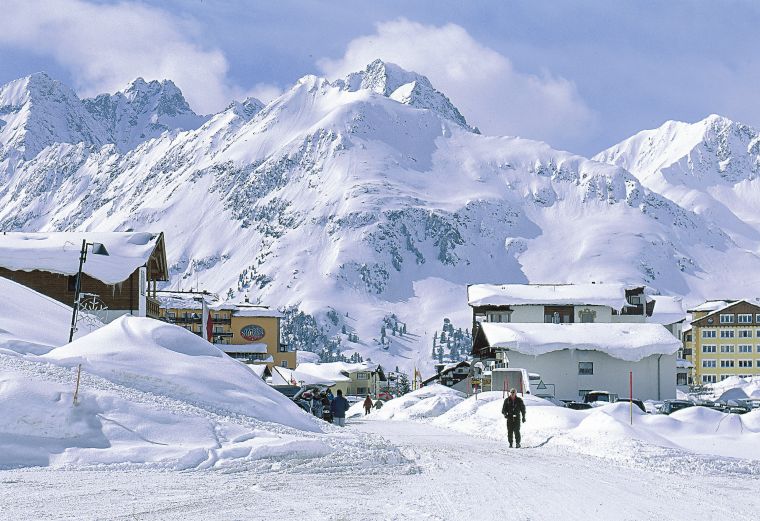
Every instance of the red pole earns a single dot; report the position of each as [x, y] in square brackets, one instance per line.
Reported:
[630, 392]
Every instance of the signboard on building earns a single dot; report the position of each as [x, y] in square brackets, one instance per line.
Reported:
[252, 332]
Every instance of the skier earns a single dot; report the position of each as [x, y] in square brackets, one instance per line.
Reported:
[367, 405]
[512, 409]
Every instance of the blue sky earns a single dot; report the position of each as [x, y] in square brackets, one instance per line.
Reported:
[580, 75]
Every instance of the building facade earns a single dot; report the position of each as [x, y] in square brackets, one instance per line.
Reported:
[723, 341]
[579, 338]
[243, 331]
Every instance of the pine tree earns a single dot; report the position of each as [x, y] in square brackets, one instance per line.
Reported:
[403, 384]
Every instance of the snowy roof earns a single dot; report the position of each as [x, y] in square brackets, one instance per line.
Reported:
[177, 302]
[712, 305]
[683, 364]
[256, 311]
[667, 310]
[58, 252]
[334, 370]
[258, 369]
[259, 348]
[611, 295]
[624, 341]
[728, 304]
[285, 376]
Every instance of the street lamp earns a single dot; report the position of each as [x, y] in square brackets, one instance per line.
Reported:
[97, 249]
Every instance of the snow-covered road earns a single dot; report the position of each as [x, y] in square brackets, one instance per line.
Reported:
[450, 476]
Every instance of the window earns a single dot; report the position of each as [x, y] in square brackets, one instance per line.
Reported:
[727, 333]
[284, 364]
[497, 317]
[757, 318]
[216, 316]
[724, 376]
[745, 363]
[727, 349]
[745, 333]
[583, 392]
[587, 316]
[585, 368]
[171, 314]
[726, 319]
[708, 363]
[361, 390]
[745, 318]
[708, 333]
[727, 363]
[362, 376]
[709, 378]
[758, 364]
[218, 329]
[745, 348]
[709, 348]
[688, 337]
[681, 379]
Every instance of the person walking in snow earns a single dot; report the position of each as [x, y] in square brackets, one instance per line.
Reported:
[338, 407]
[512, 410]
[367, 405]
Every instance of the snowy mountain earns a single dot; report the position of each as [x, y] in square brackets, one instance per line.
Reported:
[362, 198]
[144, 110]
[710, 168]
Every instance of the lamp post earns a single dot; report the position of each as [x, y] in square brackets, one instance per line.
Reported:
[97, 249]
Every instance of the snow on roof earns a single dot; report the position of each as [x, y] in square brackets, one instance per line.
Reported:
[243, 348]
[177, 302]
[256, 311]
[712, 305]
[58, 252]
[611, 295]
[683, 364]
[334, 370]
[258, 369]
[285, 376]
[667, 310]
[727, 305]
[630, 342]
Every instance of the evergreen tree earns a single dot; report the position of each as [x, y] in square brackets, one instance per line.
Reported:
[403, 384]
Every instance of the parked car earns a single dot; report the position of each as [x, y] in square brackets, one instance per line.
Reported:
[600, 396]
[384, 396]
[671, 406]
[578, 406]
[637, 403]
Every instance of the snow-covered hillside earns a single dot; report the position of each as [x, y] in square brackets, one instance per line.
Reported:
[359, 198]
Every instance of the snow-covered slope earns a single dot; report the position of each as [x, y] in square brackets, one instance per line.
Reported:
[370, 196]
[710, 167]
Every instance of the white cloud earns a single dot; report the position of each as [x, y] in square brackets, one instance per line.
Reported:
[105, 46]
[481, 82]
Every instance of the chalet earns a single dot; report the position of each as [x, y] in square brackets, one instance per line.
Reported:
[723, 340]
[354, 379]
[579, 338]
[121, 282]
[452, 375]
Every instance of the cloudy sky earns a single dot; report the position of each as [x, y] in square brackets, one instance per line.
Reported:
[580, 75]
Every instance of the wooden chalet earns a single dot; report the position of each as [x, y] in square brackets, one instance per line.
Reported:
[123, 282]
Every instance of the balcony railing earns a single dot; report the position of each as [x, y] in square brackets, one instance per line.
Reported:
[153, 307]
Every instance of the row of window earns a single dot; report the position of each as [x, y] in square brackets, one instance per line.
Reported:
[196, 316]
[729, 333]
[713, 378]
[730, 348]
[711, 362]
[741, 318]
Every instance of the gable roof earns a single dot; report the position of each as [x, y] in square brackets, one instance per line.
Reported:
[625, 341]
[58, 252]
[667, 310]
[610, 295]
[705, 319]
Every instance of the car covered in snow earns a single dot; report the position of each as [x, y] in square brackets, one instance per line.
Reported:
[671, 406]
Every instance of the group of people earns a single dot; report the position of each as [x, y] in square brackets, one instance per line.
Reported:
[328, 407]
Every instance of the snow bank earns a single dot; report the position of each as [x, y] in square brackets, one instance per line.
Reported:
[154, 356]
[34, 323]
[605, 431]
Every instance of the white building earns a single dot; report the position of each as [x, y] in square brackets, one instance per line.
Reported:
[579, 338]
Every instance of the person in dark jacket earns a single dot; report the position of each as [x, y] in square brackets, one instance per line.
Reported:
[512, 409]
[338, 407]
[367, 405]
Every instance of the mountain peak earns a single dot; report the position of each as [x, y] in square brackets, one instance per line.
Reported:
[408, 87]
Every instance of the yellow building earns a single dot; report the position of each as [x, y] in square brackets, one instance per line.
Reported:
[245, 332]
[724, 340]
